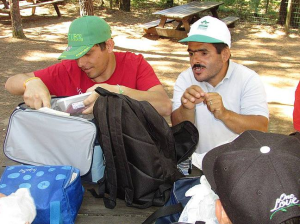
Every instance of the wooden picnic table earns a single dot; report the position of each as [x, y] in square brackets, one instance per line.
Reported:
[185, 15]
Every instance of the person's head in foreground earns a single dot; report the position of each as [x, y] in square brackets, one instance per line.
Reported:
[209, 43]
[89, 39]
[257, 178]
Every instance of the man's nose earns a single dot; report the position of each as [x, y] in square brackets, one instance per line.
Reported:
[80, 62]
[196, 59]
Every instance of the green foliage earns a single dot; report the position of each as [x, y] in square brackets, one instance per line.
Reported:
[137, 3]
[247, 9]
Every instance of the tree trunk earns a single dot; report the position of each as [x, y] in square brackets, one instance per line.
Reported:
[124, 5]
[16, 20]
[295, 4]
[86, 7]
[288, 17]
[282, 12]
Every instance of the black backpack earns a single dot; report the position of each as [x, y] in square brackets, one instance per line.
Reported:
[140, 150]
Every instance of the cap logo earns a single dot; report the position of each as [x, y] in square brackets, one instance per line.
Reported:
[284, 202]
[75, 37]
[203, 25]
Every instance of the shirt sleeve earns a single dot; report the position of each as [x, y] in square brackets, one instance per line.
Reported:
[296, 112]
[254, 98]
[146, 77]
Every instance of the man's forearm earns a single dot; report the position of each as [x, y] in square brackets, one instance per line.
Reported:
[239, 123]
[182, 114]
[14, 84]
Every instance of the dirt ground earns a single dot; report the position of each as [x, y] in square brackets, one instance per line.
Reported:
[265, 49]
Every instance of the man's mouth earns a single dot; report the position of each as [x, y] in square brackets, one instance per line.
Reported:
[86, 70]
[198, 67]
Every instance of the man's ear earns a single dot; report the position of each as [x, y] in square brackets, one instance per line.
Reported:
[221, 214]
[225, 54]
[110, 45]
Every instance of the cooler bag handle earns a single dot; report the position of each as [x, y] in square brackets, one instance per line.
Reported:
[55, 213]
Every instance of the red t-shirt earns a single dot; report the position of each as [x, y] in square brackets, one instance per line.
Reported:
[296, 114]
[67, 79]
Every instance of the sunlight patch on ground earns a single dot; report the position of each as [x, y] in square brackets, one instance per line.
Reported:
[266, 34]
[169, 82]
[50, 33]
[129, 30]
[246, 63]
[39, 56]
[283, 112]
[277, 34]
[140, 44]
[161, 65]
[5, 33]
[151, 57]
[279, 92]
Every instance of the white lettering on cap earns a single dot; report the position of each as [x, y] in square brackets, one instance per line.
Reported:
[265, 149]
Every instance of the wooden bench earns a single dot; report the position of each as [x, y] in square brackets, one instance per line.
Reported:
[38, 4]
[230, 21]
[149, 27]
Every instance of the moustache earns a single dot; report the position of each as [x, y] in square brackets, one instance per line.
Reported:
[198, 66]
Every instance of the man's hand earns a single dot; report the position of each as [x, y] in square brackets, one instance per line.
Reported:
[186, 112]
[111, 88]
[215, 105]
[89, 102]
[36, 94]
[192, 96]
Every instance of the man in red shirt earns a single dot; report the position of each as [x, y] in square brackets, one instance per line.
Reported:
[88, 62]
[296, 114]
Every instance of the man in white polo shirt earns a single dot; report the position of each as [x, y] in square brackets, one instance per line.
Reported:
[222, 98]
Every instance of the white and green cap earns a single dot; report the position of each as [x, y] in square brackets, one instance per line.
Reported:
[84, 33]
[209, 29]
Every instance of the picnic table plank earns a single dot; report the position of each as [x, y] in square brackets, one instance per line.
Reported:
[192, 8]
[38, 4]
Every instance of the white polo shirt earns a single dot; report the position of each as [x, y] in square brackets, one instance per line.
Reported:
[242, 92]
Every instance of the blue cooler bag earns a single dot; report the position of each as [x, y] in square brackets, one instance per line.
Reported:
[57, 190]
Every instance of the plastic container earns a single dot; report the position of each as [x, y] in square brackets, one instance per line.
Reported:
[73, 104]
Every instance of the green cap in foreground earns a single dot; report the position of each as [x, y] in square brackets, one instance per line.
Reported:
[84, 33]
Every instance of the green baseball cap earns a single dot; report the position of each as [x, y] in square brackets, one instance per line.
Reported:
[84, 33]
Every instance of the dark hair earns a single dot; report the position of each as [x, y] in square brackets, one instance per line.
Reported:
[295, 220]
[219, 47]
[102, 45]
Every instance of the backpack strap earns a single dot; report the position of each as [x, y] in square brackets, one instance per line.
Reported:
[164, 211]
[101, 188]
[115, 105]
[104, 139]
